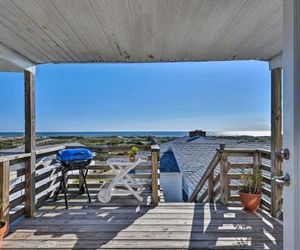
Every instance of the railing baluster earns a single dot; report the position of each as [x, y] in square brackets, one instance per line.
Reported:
[4, 191]
[211, 187]
[257, 160]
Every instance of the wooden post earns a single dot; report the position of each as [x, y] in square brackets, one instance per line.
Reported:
[4, 192]
[154, 162]
[30, 143]
[210, 183]
[257, 160]
[276, 141]
[224, 182]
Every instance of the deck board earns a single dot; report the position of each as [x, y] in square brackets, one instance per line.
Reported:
[127, 224]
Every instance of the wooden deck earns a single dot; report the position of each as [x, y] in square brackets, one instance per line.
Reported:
[124, 223]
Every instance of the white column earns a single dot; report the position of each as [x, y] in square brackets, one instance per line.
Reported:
[291, 122]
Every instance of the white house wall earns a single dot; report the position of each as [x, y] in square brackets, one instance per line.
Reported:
[172, 186]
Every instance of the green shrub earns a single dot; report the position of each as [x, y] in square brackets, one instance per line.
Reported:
[252, 181]
[133, 151]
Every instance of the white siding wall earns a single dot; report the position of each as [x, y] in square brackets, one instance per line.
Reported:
[186, 187]
[172, 186]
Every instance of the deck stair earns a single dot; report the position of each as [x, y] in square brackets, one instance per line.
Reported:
[221, 180]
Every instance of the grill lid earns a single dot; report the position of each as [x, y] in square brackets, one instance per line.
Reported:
[74, 154]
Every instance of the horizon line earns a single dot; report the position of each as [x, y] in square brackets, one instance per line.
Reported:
[112, 131]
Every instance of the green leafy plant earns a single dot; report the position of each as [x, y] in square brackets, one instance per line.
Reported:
[133, 151]
[252, 181]
[1, 222]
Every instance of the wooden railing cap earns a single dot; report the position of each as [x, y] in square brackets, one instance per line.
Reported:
[155, 148]
[49, 150]
[14, 157]
[24, 156]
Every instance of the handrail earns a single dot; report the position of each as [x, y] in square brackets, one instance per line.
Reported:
[265, 153]
[49, 150]
[212, 165]
[24, 156]
[239, 150]
[14, 157]
[246, 150]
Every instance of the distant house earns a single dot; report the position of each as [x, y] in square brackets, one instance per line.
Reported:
[187, 158]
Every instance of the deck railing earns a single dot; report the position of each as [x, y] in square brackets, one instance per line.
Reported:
[13, 181]
[221, 180]
[14, 184]
[148, 175]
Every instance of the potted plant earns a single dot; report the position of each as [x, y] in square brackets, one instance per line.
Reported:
[3, 227]
[132, 153]
[250, 195]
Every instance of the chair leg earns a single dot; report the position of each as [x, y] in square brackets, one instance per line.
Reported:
[86, 187]
[65, 190]
[58, 190]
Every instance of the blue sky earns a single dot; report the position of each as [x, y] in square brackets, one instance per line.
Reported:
[214, 96]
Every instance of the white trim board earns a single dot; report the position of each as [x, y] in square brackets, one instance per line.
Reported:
[14, 58]
[291, 123]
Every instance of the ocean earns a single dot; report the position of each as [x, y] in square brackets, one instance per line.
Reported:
[137, 133]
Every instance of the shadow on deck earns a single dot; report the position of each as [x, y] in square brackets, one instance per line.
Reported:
[124, 223]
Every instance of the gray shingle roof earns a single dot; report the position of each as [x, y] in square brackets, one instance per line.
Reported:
[193, 156]
[168, 163]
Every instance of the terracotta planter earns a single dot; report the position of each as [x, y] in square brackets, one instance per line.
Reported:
[3, 228]
[132, 158]
[250, 201]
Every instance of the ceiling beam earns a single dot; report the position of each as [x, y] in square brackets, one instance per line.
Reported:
[16, 59]
[276, 62]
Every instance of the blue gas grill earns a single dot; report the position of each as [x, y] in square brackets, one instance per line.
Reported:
[73, 159]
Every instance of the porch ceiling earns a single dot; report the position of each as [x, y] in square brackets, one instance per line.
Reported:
[58, 31]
